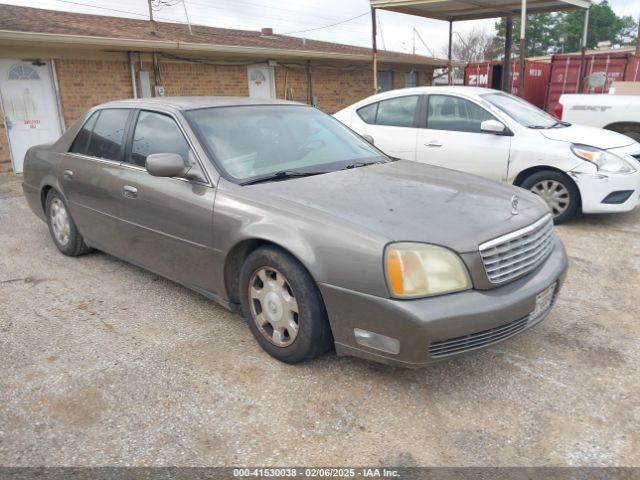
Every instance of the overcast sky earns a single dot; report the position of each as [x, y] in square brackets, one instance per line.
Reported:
[286, 16]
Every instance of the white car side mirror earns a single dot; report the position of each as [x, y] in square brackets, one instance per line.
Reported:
[493, 126]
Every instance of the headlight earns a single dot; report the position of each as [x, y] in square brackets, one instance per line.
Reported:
[604, 161]
[420, 270]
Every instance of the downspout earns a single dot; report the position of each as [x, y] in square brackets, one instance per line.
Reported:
[132, 66]
[56, 86]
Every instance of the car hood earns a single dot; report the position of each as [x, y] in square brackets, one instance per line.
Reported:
[408, 201]
[592, 136]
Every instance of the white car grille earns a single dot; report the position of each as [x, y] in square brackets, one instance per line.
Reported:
[517, 253]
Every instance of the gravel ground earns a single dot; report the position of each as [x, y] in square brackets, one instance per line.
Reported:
[106, 364]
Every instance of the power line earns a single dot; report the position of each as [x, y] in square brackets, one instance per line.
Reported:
[326, 26]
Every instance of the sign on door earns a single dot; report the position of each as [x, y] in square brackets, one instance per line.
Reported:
[29, 106]
[261, 81]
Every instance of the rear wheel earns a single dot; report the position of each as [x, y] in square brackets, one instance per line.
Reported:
[558, 191]
[283, 307]
[62, 228]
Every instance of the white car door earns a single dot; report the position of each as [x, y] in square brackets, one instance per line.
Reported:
[391, 123]
[452, 138]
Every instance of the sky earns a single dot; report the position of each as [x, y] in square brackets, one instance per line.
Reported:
[295, 16]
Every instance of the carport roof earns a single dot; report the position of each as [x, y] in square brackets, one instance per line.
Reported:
[456, 10]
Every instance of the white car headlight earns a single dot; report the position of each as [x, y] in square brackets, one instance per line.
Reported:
[605, 161]
[416, 270]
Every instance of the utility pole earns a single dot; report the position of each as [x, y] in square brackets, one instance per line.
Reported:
[153, 25]
[583, 51]
[184, 5]
[449, 54]
[374, 49]
[523, 47]
[508, 43]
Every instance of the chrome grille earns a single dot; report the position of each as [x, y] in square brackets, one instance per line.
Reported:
[484, 338]
[517, 253]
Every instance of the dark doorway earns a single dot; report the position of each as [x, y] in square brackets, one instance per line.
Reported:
[496, 77]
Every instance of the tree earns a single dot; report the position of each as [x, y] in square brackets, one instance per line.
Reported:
[562, 32]
[475, 46]
[604, 25]
[541, 34]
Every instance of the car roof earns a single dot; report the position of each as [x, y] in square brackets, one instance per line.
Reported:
[190, 103]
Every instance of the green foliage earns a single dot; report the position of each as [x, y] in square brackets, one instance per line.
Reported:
[562, 32]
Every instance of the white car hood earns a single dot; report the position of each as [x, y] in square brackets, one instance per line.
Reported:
[592, 136]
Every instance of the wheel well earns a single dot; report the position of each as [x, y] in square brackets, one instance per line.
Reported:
[522, 176]
[621, 127]
[43, 195]
[235, 259]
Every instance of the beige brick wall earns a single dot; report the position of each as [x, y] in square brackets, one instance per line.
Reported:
[85, 83]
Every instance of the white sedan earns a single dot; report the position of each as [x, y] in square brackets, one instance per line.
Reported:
[496, 135]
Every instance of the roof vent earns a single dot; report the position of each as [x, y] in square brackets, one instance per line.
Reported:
[266, 31]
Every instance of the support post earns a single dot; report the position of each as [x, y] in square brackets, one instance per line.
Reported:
[583, 51]
[638, 40]
[523, 47]
[450, 54]
[374, 50]
[508, 44]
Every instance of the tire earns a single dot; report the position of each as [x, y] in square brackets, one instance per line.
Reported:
[550, 182]
[278, 293]
[62, 228]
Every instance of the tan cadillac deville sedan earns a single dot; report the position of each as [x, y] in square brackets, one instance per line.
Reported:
[321, 241]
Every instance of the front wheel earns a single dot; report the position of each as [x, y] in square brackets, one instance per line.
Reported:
[558, 191]
[283, 307]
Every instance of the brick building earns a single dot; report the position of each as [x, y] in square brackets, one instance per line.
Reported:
[56, 65]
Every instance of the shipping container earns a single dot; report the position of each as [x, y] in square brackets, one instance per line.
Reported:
[633, 69]
[489, 75]
[565, 74]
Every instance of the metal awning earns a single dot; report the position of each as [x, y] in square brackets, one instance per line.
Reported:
[457, 10]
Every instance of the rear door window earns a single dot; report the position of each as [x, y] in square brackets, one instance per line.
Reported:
[107, 136]
[394, 112]
[397, 112]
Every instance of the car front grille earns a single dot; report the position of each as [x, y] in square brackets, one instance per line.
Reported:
[517, 253]
[452, 346]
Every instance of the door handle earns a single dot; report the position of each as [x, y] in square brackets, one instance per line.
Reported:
[68, 174]
[129, 192]
[433, 143]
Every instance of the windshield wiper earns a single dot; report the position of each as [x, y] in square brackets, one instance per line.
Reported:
[281, 175]
[359, 164]
[560, 123]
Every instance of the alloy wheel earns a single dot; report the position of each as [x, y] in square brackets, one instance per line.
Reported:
[274, 308]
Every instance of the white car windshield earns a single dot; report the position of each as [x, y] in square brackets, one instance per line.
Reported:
[522, 111]
[250, 143]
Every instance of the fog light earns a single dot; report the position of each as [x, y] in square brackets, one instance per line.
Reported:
[377, 341]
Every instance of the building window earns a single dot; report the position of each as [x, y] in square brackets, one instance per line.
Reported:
[410, 79]
[23, 72]
[385, 81]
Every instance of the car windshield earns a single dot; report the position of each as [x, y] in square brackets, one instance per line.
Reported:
[522, 111]
[280, 141]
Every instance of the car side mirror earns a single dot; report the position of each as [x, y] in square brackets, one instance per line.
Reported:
[166, 165]
[493, 126]
[369, 139]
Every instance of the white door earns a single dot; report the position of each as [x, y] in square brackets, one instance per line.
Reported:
[391, 123]
[262, 82]
[453, 139]
[29, 106]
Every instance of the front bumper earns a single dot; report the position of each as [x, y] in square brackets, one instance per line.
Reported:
[595, 188]
[417, 324]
